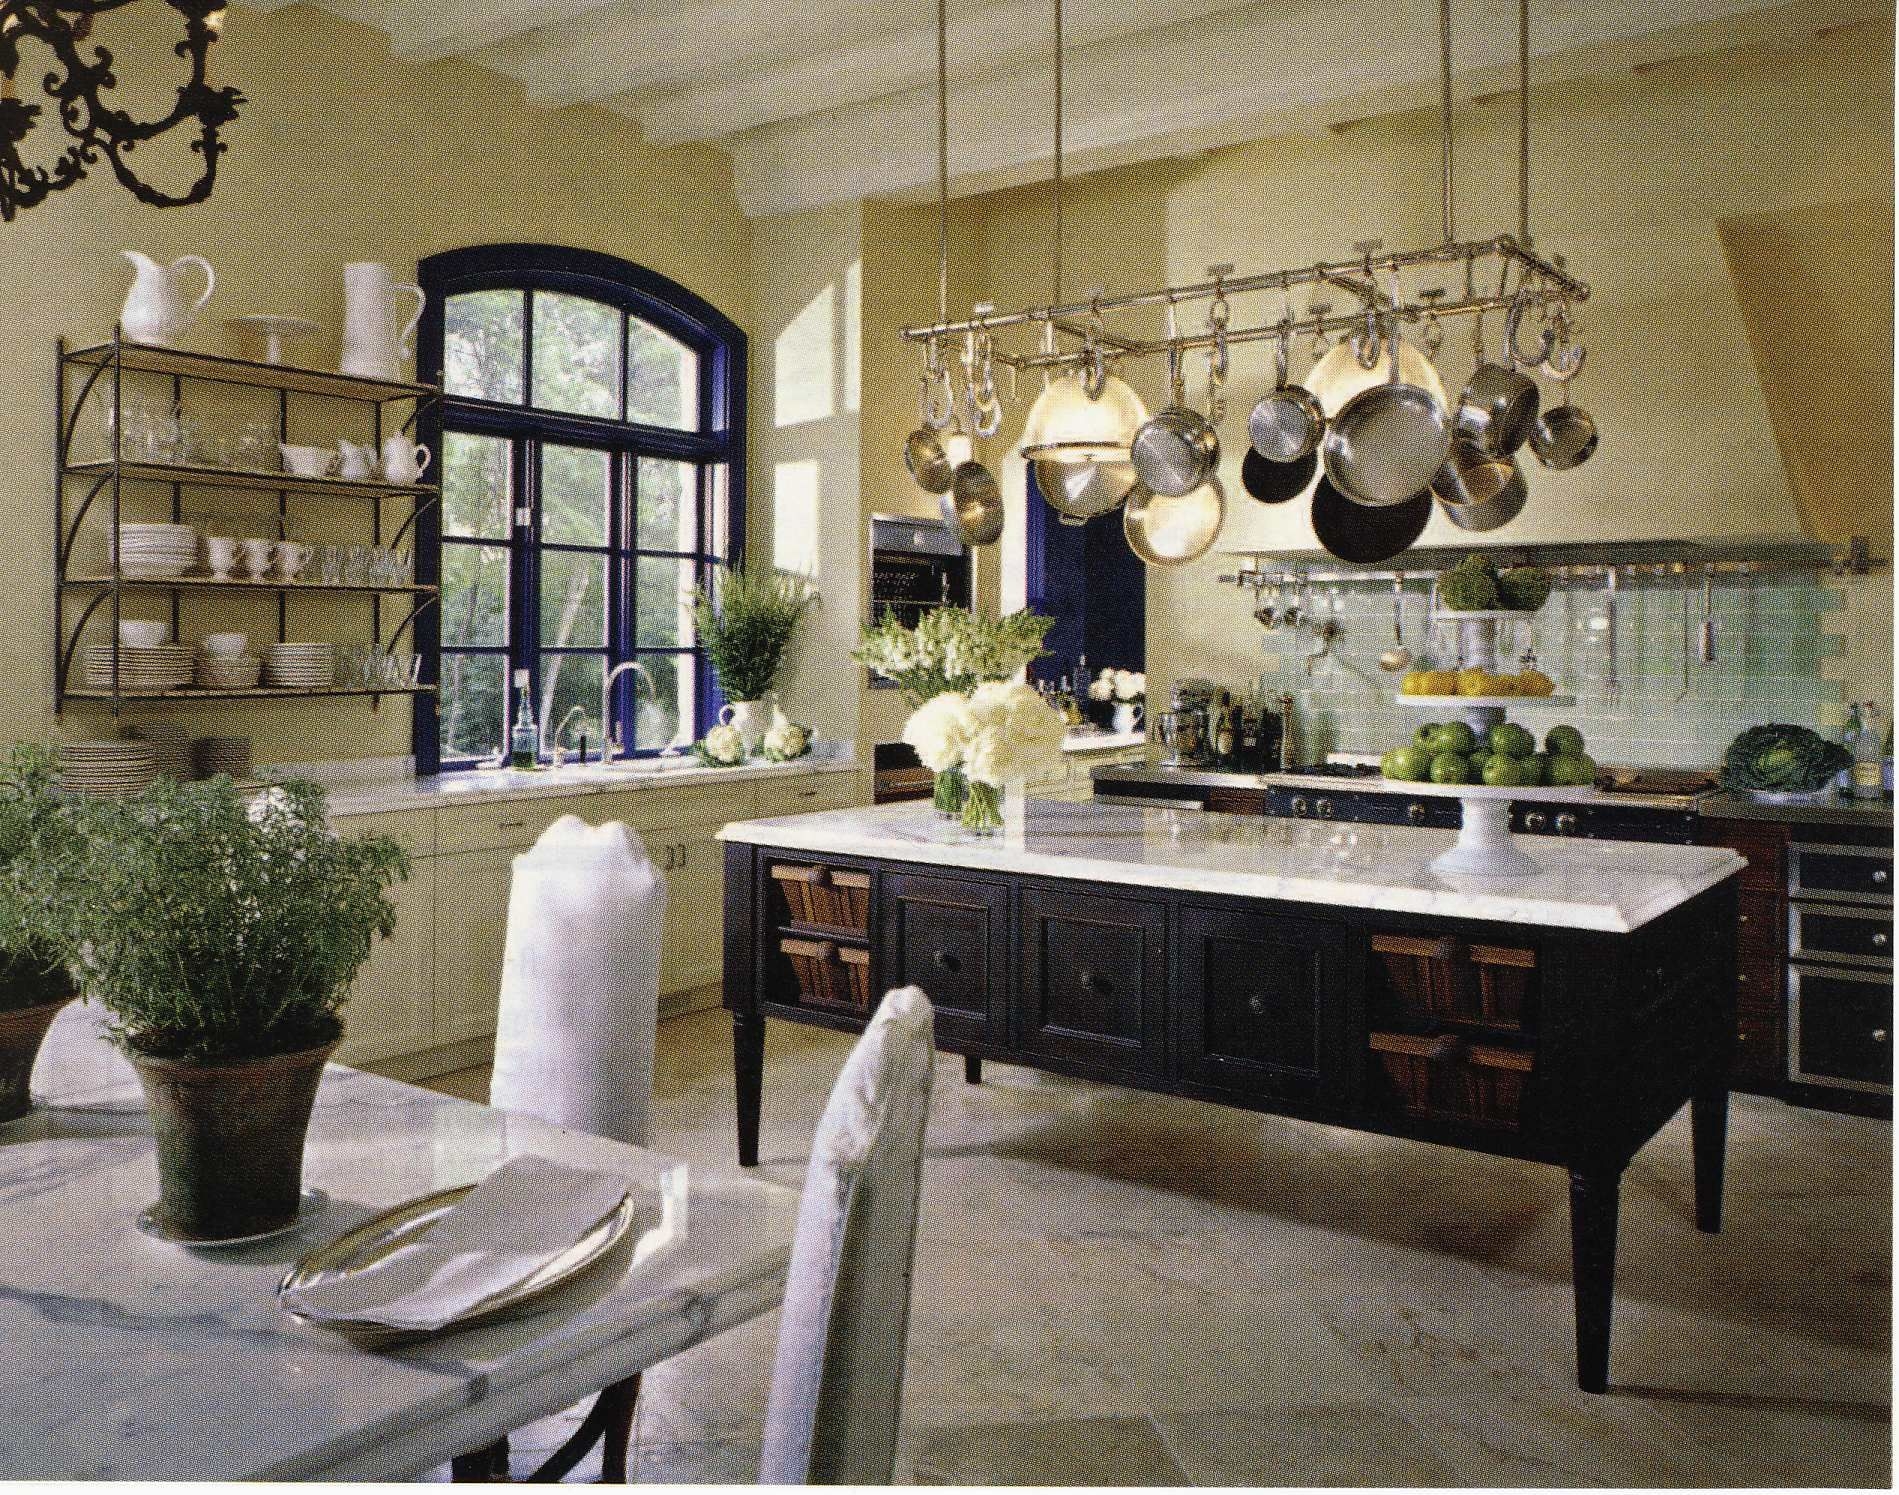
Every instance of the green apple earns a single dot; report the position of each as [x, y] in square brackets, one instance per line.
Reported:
[1572, 768]
[1450, 768]
[1511, 740]
[1453, 737]
[1564, 739]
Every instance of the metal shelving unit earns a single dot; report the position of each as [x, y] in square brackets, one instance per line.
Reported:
[87, 377]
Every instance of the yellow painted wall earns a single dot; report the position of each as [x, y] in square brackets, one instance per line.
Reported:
[341, 154]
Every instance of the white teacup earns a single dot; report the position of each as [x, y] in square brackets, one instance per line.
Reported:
[224, 645]
[220, 553]
[355, 461]
[257, 555]
[292, 557]
[141, 633]
[403, 461]
[307, 461]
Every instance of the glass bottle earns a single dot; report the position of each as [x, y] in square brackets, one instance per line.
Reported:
[1868, 774]
[524, 744]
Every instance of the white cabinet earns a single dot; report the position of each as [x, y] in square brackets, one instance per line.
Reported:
[694, 949]
[471, 931]
[391, 1005]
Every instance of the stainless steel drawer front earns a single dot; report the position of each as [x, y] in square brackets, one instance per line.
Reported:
[1845, 874]
[1839, 1028]
[1847, 936]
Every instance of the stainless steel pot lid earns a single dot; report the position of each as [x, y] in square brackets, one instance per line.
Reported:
[1173, 529]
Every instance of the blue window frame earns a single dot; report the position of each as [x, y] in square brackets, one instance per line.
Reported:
[591, 449]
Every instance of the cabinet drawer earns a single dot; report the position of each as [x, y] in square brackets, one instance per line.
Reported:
[1262, 1002]
[501, 824]
[949, 937]
[1839, 1028]
[799, 796]
[1093, 980]
[1851, 874]
[412, 830]
[1849, 936]
[673, 805]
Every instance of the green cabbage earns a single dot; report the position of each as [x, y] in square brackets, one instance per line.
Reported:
[1782, 758]
[1525, 588]
[1470, 586]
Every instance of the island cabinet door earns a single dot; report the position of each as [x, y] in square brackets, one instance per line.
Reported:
[1262, 1003]
[949, 938]
[1093, 980]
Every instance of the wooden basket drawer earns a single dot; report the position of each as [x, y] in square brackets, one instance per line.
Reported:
[830, 975]
[824, 898]
[1447, 1079]
[1439, 978]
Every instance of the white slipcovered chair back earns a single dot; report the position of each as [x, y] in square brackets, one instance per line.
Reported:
[837, 1384]
[580, 982]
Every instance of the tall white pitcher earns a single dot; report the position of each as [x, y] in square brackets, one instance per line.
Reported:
[372, 348]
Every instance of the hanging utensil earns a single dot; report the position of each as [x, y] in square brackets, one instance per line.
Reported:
[1173, 529]
[1471, 479]
[1080, 491]
[1504, 503]
[1397, 657]
[1498, 407]
[1707, 641]
[1176, 449]
[1384, 446]
[1353, 532]
[973, 506]
[1286, 424]
[925, 452]
[1611, 680]
[1566, 436]
[1276, 482]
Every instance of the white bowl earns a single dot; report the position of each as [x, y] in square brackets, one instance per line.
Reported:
[143, 634]
[226, 645]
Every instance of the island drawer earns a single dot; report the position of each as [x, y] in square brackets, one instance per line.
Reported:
[1443, 979]
[829, 974]
[821, 897]
[1448, 1079]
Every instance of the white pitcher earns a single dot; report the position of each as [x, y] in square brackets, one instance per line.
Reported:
[372, 348]
[403, 460]
[155, 310]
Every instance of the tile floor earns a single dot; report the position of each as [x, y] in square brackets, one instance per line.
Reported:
[1115, 1288]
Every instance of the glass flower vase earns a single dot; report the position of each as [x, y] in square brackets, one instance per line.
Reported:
[949, 792]
[982, 808]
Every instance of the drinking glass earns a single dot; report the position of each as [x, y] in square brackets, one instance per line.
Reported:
[356, 566]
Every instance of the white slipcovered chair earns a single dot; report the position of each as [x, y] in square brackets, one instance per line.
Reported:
[574, 1039]
[837, 1382]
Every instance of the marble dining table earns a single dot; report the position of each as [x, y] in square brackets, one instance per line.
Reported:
[129, 1357]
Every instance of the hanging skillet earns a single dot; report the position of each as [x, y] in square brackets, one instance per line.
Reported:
[1276, 482]
[1364, 535]
[1386, 443]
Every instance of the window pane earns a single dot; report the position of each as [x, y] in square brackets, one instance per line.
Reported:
[664, 719]
[573, 600]
[668, 517]
[571, 683]
[471, 704]
[575, 481]
[662, 379]
[719, 511]
[663, 595]
[477, 486]
[576, 355]
[474, 595]
[481, 345]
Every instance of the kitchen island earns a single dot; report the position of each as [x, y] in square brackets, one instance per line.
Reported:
[1316, 971]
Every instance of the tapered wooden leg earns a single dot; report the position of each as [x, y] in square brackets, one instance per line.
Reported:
[1709, 1115]
[748, 1076]
[623, 1398]
[1593, 1201]
[972, 1069]
[485, 1466]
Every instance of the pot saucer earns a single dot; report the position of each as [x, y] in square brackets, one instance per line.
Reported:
[151, 1222]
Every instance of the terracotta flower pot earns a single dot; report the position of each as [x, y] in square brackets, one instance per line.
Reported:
[21, 1031]
[230, 1139]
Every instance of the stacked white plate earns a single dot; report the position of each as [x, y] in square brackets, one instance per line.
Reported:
[168, 740]
[229, 671]
[141, 671]
[148, 550]
[301, 666]
[109, 768]
[216, 755]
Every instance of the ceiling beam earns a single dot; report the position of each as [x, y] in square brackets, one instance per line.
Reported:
[449, 28]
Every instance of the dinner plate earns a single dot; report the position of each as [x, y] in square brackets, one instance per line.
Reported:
[405, 1224]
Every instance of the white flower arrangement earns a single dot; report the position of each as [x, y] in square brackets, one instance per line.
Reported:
[722, 747]
[939, 731]
[1118, 685]
[952, 649]
[785, 741]
[999, 732]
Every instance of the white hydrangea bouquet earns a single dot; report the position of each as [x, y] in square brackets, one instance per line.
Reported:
[1125, 686]
[1002, 731]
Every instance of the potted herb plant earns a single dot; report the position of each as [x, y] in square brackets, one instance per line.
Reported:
[35, 829]
[221, 936]
[746, 622]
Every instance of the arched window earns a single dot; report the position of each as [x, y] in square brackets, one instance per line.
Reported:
[591, 437]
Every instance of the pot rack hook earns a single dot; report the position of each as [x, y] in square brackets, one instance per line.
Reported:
[1318, 311]
[1546, 339]
[1433, 336]
[1367, 343]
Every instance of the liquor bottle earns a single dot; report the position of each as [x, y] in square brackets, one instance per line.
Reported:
[1868, 766]
[1849, 739]
[524, 748]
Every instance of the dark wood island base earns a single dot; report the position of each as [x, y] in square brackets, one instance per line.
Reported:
[1555, 1045]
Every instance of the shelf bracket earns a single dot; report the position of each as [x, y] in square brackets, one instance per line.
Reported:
[71, 537]
[70, 647]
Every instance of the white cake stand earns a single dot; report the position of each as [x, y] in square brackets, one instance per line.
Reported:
[275, 331]
[1486, 846]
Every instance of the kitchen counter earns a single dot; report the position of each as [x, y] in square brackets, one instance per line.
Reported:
[1608, 886]
[1217, 778]
[1836, 809]
[1102, 742]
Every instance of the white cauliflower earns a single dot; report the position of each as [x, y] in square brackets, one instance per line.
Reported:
[1101, 688]
[725, 745]
[786, 741]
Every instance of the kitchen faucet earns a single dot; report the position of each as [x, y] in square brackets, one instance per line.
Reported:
[615, 744]
[553, 741]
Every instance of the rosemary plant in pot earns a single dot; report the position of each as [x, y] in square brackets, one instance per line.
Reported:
[746, 622]
[35, 831]
[221, 935]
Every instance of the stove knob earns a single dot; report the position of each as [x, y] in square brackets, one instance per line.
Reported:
[1536, 821]
[1565, 824]
[1299, 806]
[1323, 809]
[1416, 813]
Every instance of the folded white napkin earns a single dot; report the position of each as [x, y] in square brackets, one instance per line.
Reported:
[519, 1217]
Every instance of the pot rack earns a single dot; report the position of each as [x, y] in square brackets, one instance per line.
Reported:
[1540, 281]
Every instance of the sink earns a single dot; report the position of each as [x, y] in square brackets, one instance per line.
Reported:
[647, 767]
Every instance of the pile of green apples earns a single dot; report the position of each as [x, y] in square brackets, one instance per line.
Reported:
[1504, 757]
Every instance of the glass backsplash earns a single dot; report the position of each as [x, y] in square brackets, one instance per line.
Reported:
[1670, 710]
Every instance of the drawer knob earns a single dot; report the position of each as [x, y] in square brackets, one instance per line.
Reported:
[1880, 877]
[1093, 984]
[1743, 918]
[1256, 1004]
[1741, 980]
[1879, 1035]
[1880, 940]
[944, 961]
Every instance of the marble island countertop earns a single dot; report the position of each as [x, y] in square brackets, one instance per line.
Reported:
[1611, 886]
[1078, 741]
